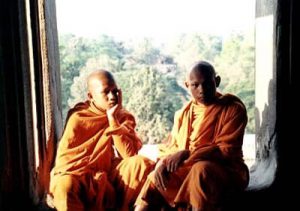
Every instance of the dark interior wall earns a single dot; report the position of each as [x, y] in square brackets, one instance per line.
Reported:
[28, 46]
[283, 115]
[14, 186]
[288, 67]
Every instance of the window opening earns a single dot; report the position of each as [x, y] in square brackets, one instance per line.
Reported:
[149, 45]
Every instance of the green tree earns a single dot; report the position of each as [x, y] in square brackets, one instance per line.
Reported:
[150, 77]
[139, 54]
[154, 98]
[236, 67]
[75, 52]
[189, 48]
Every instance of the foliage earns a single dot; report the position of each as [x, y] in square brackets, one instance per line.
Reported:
[75, 53]
[153, 97]
[235, 64]
[189, 48]
[150, 95]
[151, 76]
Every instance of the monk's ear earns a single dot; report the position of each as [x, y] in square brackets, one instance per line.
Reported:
[90, 97]
[186, 84]
[218, 80]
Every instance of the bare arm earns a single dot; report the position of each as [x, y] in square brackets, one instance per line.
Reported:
[124, 137]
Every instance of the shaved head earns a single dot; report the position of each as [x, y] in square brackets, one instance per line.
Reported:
[102, 89]
[202, 82]
[99, 75]
[204, 67]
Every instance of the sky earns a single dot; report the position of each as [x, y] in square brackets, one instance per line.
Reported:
[159, 19]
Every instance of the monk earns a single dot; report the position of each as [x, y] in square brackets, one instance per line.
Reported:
[97, 166]
[202, 160]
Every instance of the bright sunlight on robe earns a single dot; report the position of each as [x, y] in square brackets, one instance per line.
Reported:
[97, 166]
[214, 136]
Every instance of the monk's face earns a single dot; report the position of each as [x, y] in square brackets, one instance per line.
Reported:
[103, 92]
[202, 86]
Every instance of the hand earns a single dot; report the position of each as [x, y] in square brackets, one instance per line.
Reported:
[114, 110]
[160, 175]
[173, 161]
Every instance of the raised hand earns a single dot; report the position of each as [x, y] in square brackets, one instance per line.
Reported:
[114, 110]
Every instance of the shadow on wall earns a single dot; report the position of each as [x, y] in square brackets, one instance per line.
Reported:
[262, 173]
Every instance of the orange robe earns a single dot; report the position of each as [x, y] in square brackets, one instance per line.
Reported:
[214, 136]
[97, 166]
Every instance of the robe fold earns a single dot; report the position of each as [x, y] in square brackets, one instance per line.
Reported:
[214, 136]
[96, 162]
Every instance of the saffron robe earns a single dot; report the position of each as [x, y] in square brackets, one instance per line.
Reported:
[215, 164]
[95, 162]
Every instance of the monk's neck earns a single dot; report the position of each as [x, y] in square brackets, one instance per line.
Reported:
[198, 104]
[96, 109]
